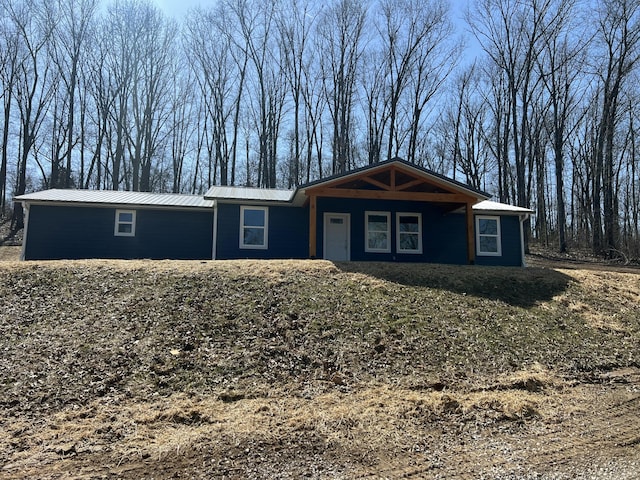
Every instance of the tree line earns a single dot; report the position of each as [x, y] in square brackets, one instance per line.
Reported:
[533, 101]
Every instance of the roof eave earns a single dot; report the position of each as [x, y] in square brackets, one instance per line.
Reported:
[40, 201]
[504, 212]
[244, 201]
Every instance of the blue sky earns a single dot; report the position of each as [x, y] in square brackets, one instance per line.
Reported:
[177, 8]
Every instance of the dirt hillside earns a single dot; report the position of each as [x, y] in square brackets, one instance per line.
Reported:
[269, 369]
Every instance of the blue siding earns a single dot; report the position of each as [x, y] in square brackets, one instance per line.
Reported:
[443, 233]
[288, 233]
[511, 245]
[58, 232]
[61, 232]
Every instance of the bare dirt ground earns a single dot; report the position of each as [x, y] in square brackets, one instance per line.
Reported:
[10, 254]
[586, 431]
[223, 370]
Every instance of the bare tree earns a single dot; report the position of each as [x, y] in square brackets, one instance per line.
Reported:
[9, 40]
[34, 24]
[257, 22]
[295, 24]
[416, 54]
[150, 91]
[630, 194]
[218, 54]
[314, 105]
[119, 34]
[98, 93]
[375, 102]
[181, 131]
[511, 33]
[561, 56]
[340, 34]
[468, 121]
[67, 52]
[619, 35]
[498, 134]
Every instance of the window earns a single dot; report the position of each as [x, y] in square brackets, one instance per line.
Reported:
[409, 233]
[378, 232]
[254, 223]
[125, 223]
[488, 236]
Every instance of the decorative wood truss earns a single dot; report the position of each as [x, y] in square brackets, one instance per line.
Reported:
[394, 181]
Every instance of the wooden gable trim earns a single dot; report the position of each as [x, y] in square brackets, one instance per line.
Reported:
[376, 183]
[367, 176]
[412, 183]
[391, 195]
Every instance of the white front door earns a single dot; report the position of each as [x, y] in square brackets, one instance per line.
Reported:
[336, 237]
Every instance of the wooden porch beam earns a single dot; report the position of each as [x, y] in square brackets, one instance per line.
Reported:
[471, 243]
[390, 195]
[376, 183]
[313, 213]
[410, 184]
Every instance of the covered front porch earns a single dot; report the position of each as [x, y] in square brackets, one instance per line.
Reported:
[385, 211]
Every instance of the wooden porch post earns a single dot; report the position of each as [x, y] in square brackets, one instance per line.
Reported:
[471, 243]
[312, 226]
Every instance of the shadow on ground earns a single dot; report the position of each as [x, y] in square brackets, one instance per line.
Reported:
[522, 287]
[569, 263]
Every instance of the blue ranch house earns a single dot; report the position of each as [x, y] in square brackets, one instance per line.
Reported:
[391, 211]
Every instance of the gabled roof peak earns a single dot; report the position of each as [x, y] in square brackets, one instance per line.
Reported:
[398, 164]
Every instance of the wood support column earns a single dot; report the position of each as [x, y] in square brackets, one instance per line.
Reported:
[471, 241]
[312, 226]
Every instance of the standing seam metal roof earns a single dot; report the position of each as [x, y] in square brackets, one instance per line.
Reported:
[112, 197]
[249, 193]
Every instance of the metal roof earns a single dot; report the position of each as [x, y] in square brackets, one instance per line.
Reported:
[487, 206]
[248, 193]
[297, 197]
[111, 197]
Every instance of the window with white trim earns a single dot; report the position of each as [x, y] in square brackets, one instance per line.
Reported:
[125, 223]
[488, 236]
[254, 227]
[377, 232]
[409, 232]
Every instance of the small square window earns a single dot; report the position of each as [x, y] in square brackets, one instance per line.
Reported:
[125, 223]
[409, 233]
[254, 227]
[488, 236]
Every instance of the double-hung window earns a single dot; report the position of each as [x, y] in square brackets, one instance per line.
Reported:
[378, 232]
[488, 236]
[254, 224]
[409, 233]
[125, 223]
